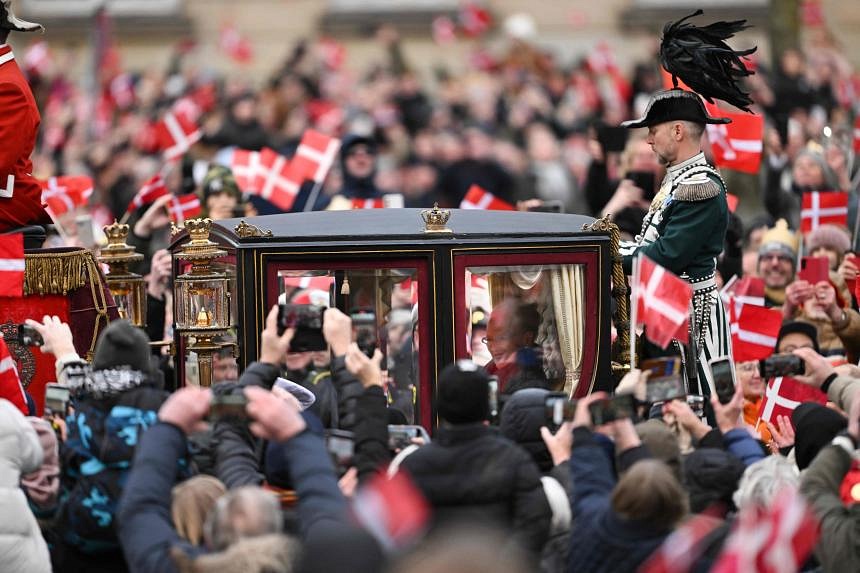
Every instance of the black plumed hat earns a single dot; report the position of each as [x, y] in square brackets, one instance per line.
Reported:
[674, 105]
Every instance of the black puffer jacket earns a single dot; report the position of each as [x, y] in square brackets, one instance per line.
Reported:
[471, 473]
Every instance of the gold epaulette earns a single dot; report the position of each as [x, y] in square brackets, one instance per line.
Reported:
[697, 187]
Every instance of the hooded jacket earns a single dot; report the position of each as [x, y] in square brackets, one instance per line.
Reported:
[22, 548]
[357, 187]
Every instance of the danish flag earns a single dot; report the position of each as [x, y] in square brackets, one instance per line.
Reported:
[368, 203]
[737, 145]
[754, 331]
[784, 394]
[314, 283]
[857, 135]
[277, 183]
[314, 157]
[474, 19]
[746, 290]
[774, 539]
[235, 45]
[478, 198]
[680, 551]
[66, 193]
[820, 208]
[10, 383]
[12, 265]
[663, 302]
[151, 190]
[393, 509]
[176, 133]
[184, 207]
[247, 170]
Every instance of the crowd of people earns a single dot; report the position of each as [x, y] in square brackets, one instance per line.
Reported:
[240, 476]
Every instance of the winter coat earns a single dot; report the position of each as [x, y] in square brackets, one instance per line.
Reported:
[601, 540]
[470, 473]
[371, 432]
[22, 548]
[838, 547]
[113, 408]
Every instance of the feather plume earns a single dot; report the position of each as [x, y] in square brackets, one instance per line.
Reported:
[700, 57]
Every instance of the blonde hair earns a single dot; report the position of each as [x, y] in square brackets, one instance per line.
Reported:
[193, 499]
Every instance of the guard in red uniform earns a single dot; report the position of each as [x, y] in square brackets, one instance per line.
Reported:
[20, 193]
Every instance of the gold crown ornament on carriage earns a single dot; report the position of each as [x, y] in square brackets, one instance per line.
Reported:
[684, 230]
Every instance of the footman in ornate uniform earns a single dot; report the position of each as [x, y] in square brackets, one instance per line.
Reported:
[685, 227]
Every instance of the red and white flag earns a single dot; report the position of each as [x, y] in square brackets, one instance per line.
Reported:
[314, 157]
[247, 170]
[368, 203]
[151, 190]
[122, 90]
[277, 184]
[393, 509]
[236, 46]
[176, 133]
[820, 208]
[478, 198]
[737, 145]
[663, 303]
[774, 539]
[10, 382]
[857, 135]
[754, 331]
[783, 395]
[474, 19]
[66, 193]
[745, 290]
[680, 551]
[313, 283]
[184, 207]
[332, 53]
[12, 265]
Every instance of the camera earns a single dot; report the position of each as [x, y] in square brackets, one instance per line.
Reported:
[29, 336]
[612, 409]
[56, 399]
[307, 321]
[665, 382]
[364, 329]
[401, 436]
[559, 409]
[230, 407]
[781, 365]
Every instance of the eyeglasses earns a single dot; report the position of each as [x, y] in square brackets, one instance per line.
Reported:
[777, 256]
[747, 367]
[792, 347]
[486, 340]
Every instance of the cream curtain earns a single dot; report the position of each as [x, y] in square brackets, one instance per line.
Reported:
[568, 295]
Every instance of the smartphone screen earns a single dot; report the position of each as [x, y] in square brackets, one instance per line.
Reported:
[723, 372]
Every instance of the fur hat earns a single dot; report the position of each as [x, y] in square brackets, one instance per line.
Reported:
[8, 20]
[829, 236]
[463, 393]
[780, 239]
[123, 345]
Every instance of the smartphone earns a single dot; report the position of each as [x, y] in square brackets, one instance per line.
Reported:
[494, 398]
[612, 409]
[340, 445]
[29, 336]
[781, 365]
[307, 320]
[697, 405]
[723, 372]
[559, 409]
[401, 436]
[550, 206]
[364, 331]
[814, 270]
[666, 381]
[56, 399]
[645, 181]
[86, 234]
[228, 407]
[612, 138]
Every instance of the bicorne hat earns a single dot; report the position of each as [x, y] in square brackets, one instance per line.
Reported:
[8, 20]
[701, 59]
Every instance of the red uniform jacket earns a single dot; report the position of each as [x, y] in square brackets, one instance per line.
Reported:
[20, 193]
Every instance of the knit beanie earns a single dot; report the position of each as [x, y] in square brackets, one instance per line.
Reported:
[814, 426]
[123, 345]
[521, 421]
[779, 239]
[711, 475]
[463, 393]
[829, 236]
[799, 327]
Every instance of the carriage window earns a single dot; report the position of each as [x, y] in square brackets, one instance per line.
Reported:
[526, 324]
[383, 305]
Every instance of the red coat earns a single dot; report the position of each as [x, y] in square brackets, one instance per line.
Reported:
[20, 193]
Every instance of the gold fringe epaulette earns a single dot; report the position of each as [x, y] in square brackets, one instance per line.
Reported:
[57, 272]
[697, 189]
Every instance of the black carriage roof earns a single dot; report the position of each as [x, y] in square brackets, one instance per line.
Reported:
[405, 224]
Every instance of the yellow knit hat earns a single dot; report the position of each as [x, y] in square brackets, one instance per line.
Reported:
[780, 238]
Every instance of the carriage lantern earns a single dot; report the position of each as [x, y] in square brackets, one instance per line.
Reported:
[203, 308]
[126, 287]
